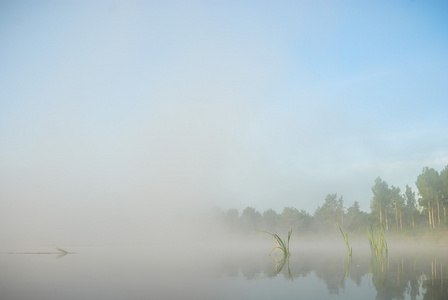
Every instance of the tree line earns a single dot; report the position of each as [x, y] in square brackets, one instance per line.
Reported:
[388, 204]
[395, 209]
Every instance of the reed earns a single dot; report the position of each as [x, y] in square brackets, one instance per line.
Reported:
[347, 243]
[377, 239]
[380, 252]
[282, 244]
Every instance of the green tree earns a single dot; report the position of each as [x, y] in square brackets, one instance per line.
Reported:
[444, 191]
[305, 222]
[428, 185]
[330, 212]
[381, 201]
[289, 219]
[398, 203]
[250, 218]
[269, 222]
[353, 217]
[410, 203]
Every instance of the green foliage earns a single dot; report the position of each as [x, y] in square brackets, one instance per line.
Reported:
[410, 205]
[270, 219]
[397, 202]
[381, 201]
[444, 185]
[444, 191]
[347, 243]
[331, 211]
[305, 222]
[250, 219]
[289, 218]
[282, 244]
[410, 200]
[388, 206]
[377, 239]
[428, 187]
[355, 219]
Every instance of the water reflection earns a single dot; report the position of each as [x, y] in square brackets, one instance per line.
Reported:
[394, 276]
[126, 272]
[59, 254]
[280, 264]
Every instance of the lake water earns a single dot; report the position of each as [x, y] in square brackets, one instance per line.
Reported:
[124, 272]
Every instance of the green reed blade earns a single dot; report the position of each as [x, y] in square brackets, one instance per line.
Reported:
[283, 245]
[347, 243]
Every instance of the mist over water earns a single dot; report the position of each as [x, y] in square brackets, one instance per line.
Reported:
[119, 118]
[137, 133]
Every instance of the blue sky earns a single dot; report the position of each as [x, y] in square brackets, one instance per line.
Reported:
[111, 110]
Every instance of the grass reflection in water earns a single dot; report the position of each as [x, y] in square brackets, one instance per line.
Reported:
[400, 275]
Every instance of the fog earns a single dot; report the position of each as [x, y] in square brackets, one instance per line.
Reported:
[125, 122]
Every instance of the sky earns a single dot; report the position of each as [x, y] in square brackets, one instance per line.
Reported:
[114, 113]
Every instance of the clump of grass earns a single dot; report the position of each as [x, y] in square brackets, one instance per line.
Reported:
[380, 252]
[377, 239]
[347, 243]
[282, 244]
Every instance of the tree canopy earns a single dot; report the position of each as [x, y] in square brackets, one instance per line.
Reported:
[388, 205]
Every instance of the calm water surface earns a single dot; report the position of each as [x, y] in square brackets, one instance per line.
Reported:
[123, 272]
